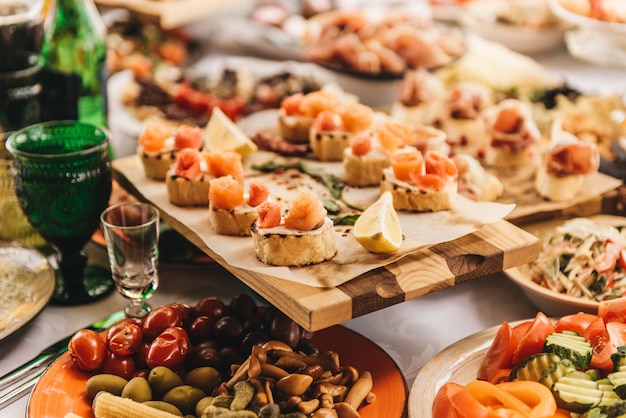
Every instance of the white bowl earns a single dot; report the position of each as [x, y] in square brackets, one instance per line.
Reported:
[613, 32]
[481, 19]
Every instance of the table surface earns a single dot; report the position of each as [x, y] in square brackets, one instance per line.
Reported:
[411, 332]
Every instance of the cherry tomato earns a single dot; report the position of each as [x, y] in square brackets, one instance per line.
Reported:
[169, 349]
[158, 320]
[123, 366]
[613, 310]
[87, 349]
[598, 336]
[532, 341]
[500, 353]
[125, 338]
[576, 322]
[617, 333]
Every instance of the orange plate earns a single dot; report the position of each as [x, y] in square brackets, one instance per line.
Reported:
[61, 389]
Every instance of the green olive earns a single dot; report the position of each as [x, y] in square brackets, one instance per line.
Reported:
[105, 382]
[164, 406]
[205, 378]
[138, 389]
[202, 404]
[162, 379]
[184, 397]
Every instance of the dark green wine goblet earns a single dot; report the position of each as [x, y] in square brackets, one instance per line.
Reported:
[62, 173]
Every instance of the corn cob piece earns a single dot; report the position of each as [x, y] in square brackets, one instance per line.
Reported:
[107, 405]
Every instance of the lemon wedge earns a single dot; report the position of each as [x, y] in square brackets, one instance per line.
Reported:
[378, 228]
[223, 134]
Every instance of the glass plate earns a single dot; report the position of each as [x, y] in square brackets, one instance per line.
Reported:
[62, 387]
[26, 285]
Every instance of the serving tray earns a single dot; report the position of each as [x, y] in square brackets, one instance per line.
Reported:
[492, 248]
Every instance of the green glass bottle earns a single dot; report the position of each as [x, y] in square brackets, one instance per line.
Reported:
[74, 53]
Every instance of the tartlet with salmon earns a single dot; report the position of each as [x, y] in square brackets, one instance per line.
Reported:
[421, 182]
[303, 236]
[231, 211]
[159, 144]
[332, 130]
[297, 113]
[364, 160]
[188, 180]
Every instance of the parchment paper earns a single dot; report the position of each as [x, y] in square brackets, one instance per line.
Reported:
[421, 229]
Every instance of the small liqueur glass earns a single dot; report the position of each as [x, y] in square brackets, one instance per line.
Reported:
[131, 231]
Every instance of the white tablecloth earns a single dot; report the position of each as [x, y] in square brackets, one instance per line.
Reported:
[411, 332]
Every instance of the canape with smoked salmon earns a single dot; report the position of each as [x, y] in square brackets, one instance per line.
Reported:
[188, 180]
[513, 134]
[420, 98]
[298, 111]
[475, 182]
[461, 118]
[158, 145]
[231, 211]
[303, 236]
[393, 134]
[421, 182]
[332, 130]
[561, 175]
[364, 160]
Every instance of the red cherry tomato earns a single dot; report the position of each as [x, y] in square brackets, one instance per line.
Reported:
[125, 338]
[613, 310]
[576, 322]
[532, 341]
[500, 353]
[598, 336]
[158, 320]
[87, 349]
[169, 349]
[123, 366]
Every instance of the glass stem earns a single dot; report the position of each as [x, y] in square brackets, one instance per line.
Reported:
[72, 266]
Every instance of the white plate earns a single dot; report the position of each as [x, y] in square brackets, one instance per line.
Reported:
[26, 285]
[458, 363]
[592, 46]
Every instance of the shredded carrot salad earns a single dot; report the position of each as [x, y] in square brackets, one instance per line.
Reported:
[584, 259]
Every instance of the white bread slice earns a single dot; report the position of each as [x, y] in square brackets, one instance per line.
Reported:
[234, 222]
[410, 198]
[294, 129]
[182, 191]
[155, 165]
[280, 246]
[329, 146]
[364, 170]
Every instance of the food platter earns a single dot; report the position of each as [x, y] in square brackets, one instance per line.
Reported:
[550, 302]
[458, 363]
[62, 387]
[27, 283]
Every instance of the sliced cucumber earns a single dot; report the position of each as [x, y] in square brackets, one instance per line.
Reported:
[571, 346]
[545, 368]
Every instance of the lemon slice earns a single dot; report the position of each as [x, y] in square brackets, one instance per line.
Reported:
[223, 134]
[378, 228]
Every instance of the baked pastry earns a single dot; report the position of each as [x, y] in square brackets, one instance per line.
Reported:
[304, 236]
[332, 130]
[475, 182]
[187, 180]
[298, 111]
[419, 99]
[421, 183]
[158, 145]
[364, 161]
[561, 175]
[461, 119]
[231, 212]
[513, 134]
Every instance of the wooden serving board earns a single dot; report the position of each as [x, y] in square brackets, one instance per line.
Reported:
[492, 248]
